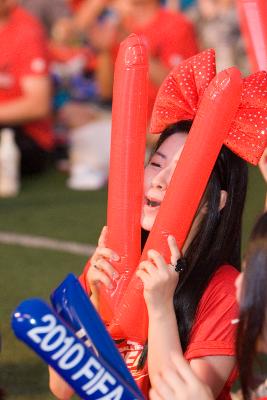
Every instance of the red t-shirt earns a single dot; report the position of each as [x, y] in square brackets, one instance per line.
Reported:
[170, 38]
[23, 52]
[212, 333]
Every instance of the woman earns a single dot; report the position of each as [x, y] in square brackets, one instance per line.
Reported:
[190, 311]
[179, 382]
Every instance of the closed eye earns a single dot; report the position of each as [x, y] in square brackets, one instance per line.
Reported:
[154, 164]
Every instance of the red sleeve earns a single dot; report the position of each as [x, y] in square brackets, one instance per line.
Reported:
[213, 333]
[32, 58]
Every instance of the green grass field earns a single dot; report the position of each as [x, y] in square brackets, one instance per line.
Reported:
[45, 207]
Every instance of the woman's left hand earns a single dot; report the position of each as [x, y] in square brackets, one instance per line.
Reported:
[159, 278]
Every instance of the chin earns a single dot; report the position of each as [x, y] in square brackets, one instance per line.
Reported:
[145, 224]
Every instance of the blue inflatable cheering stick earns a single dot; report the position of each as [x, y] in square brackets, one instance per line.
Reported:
[72, 304]
[36, 324]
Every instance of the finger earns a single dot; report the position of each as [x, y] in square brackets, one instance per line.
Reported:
[107, 253]
[103, 237]
[153, 395]
[147, 267]
[163, 389]
[175, 252]
[107, 268]
[158, 260]
[100, 276]
[143, 276]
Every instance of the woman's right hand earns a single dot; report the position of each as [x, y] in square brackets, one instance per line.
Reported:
[101, 269]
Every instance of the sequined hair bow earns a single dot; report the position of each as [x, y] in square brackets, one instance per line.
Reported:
[181, 92]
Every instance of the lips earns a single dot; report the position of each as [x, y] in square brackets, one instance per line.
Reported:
[152, 202]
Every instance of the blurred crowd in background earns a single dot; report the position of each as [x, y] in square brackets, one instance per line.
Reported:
[57, 64]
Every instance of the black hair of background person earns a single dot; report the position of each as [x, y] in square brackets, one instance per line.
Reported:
[253, 305]
[218, 240]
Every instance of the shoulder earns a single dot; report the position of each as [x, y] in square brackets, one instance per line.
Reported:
[26, 22]
[213, 332]
[220, 294]
[223, 279]
[225, 272]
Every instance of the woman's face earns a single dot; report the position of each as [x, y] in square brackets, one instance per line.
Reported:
[158, 174]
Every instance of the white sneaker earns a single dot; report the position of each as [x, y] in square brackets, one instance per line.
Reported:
[82, 178]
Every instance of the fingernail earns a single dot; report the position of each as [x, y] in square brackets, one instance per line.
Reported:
[115, 257]
[171, 237]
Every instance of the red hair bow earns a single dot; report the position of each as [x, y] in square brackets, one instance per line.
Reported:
[181, 92]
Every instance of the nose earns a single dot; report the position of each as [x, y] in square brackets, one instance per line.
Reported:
[161, 180]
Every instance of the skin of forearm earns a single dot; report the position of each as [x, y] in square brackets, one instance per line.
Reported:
[22, 110]
[163, 338]
[87, 13]
[60, 389]
[104, 75]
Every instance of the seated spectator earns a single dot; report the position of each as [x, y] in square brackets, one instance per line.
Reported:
[25, 89]
[169, 35]
[170, 39]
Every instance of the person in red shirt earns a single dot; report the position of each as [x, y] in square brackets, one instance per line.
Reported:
[169, 35]
[25, 88]
[190, 311]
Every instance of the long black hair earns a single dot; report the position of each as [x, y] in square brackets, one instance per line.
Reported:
[253, 305]
[218, 239]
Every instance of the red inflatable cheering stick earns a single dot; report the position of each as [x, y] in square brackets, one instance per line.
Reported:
[253, 23]
[125, 191]
[231, 112]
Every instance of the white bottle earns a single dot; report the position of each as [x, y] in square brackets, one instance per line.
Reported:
[9, 164]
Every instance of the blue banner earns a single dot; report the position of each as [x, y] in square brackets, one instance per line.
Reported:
[73, 305]
[36, 324]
